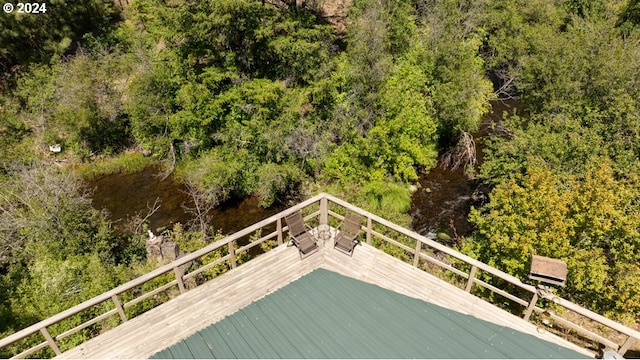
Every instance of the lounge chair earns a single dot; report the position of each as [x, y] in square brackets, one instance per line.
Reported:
[347, 237]
[300, 235]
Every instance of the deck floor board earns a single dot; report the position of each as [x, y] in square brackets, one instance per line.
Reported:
[194, 310]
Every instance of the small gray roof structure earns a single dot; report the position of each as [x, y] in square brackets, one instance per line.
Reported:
[548, 270]
[327, 315]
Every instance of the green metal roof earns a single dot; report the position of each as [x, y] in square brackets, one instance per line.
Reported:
[327, 315]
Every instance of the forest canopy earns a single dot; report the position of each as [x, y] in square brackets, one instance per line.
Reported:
[243, 98]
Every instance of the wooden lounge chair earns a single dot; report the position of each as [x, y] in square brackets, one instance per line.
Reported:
[300, 235]
[347, 237]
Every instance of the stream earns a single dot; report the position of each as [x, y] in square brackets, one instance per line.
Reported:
[445, 197]
[441, 204]
[125, 195]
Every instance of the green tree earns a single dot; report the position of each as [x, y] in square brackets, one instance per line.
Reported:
[252, 39]
[576, 84]
[76, 103]
[42, 205]
[276, 183]
[35, 96]
[88, 109]
[54, 285]
[28, 38]
[150, 101]
[221, 175]
[55, 249]
[449, 40]
[589, 220]
[15, 135]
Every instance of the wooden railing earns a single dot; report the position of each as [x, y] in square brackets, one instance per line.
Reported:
[418, 253]
[376, 231]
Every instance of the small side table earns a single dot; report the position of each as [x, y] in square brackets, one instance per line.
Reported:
[324, 233]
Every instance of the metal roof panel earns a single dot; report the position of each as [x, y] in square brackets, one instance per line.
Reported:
[327, 315]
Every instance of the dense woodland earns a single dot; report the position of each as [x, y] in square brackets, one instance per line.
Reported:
[242, 97]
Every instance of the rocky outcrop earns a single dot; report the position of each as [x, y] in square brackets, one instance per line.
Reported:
[160, 250]
[333, 12]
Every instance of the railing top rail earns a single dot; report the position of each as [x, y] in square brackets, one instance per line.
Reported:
[597, 317]
[153, 274]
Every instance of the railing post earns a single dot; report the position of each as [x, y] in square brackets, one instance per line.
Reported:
[369, 228]
[178, 273]
[50, 341]
[416, 255]
[531, 306]
[472, 276]
[627, 344]
[279, 230]
[232, 255]
[119, 307]
[324, 211]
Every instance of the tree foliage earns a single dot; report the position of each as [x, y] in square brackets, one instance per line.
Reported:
[55, 249]
[28, 38]
[565, 169]
[587, 220]
[75, 103]
[406, 84]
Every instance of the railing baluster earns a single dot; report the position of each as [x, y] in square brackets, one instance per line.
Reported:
[416, 255]
[178, 273]
[369, 228]
[50, 340]
[116, 302]
[324, 211]
[532, 306]
[627, 344]
[472, 276]
[232, 255]
[279, 229]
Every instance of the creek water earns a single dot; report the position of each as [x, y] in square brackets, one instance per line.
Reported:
[125, 195]
[445, 197]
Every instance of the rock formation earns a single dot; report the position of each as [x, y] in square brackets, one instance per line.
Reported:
[160, 250]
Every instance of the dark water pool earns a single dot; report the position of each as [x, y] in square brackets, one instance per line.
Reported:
[125, 195]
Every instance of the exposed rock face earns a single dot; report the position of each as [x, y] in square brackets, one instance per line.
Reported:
[170, 251]
[332, 11]
[160, 250]
[154, 251]
[163, 251]
[335, 13]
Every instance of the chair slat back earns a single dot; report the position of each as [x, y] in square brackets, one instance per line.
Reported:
[352, 224]
[295, 222]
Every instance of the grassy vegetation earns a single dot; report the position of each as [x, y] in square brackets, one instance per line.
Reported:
[125, 163]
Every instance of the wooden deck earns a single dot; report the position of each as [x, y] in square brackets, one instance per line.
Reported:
[179, 318]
